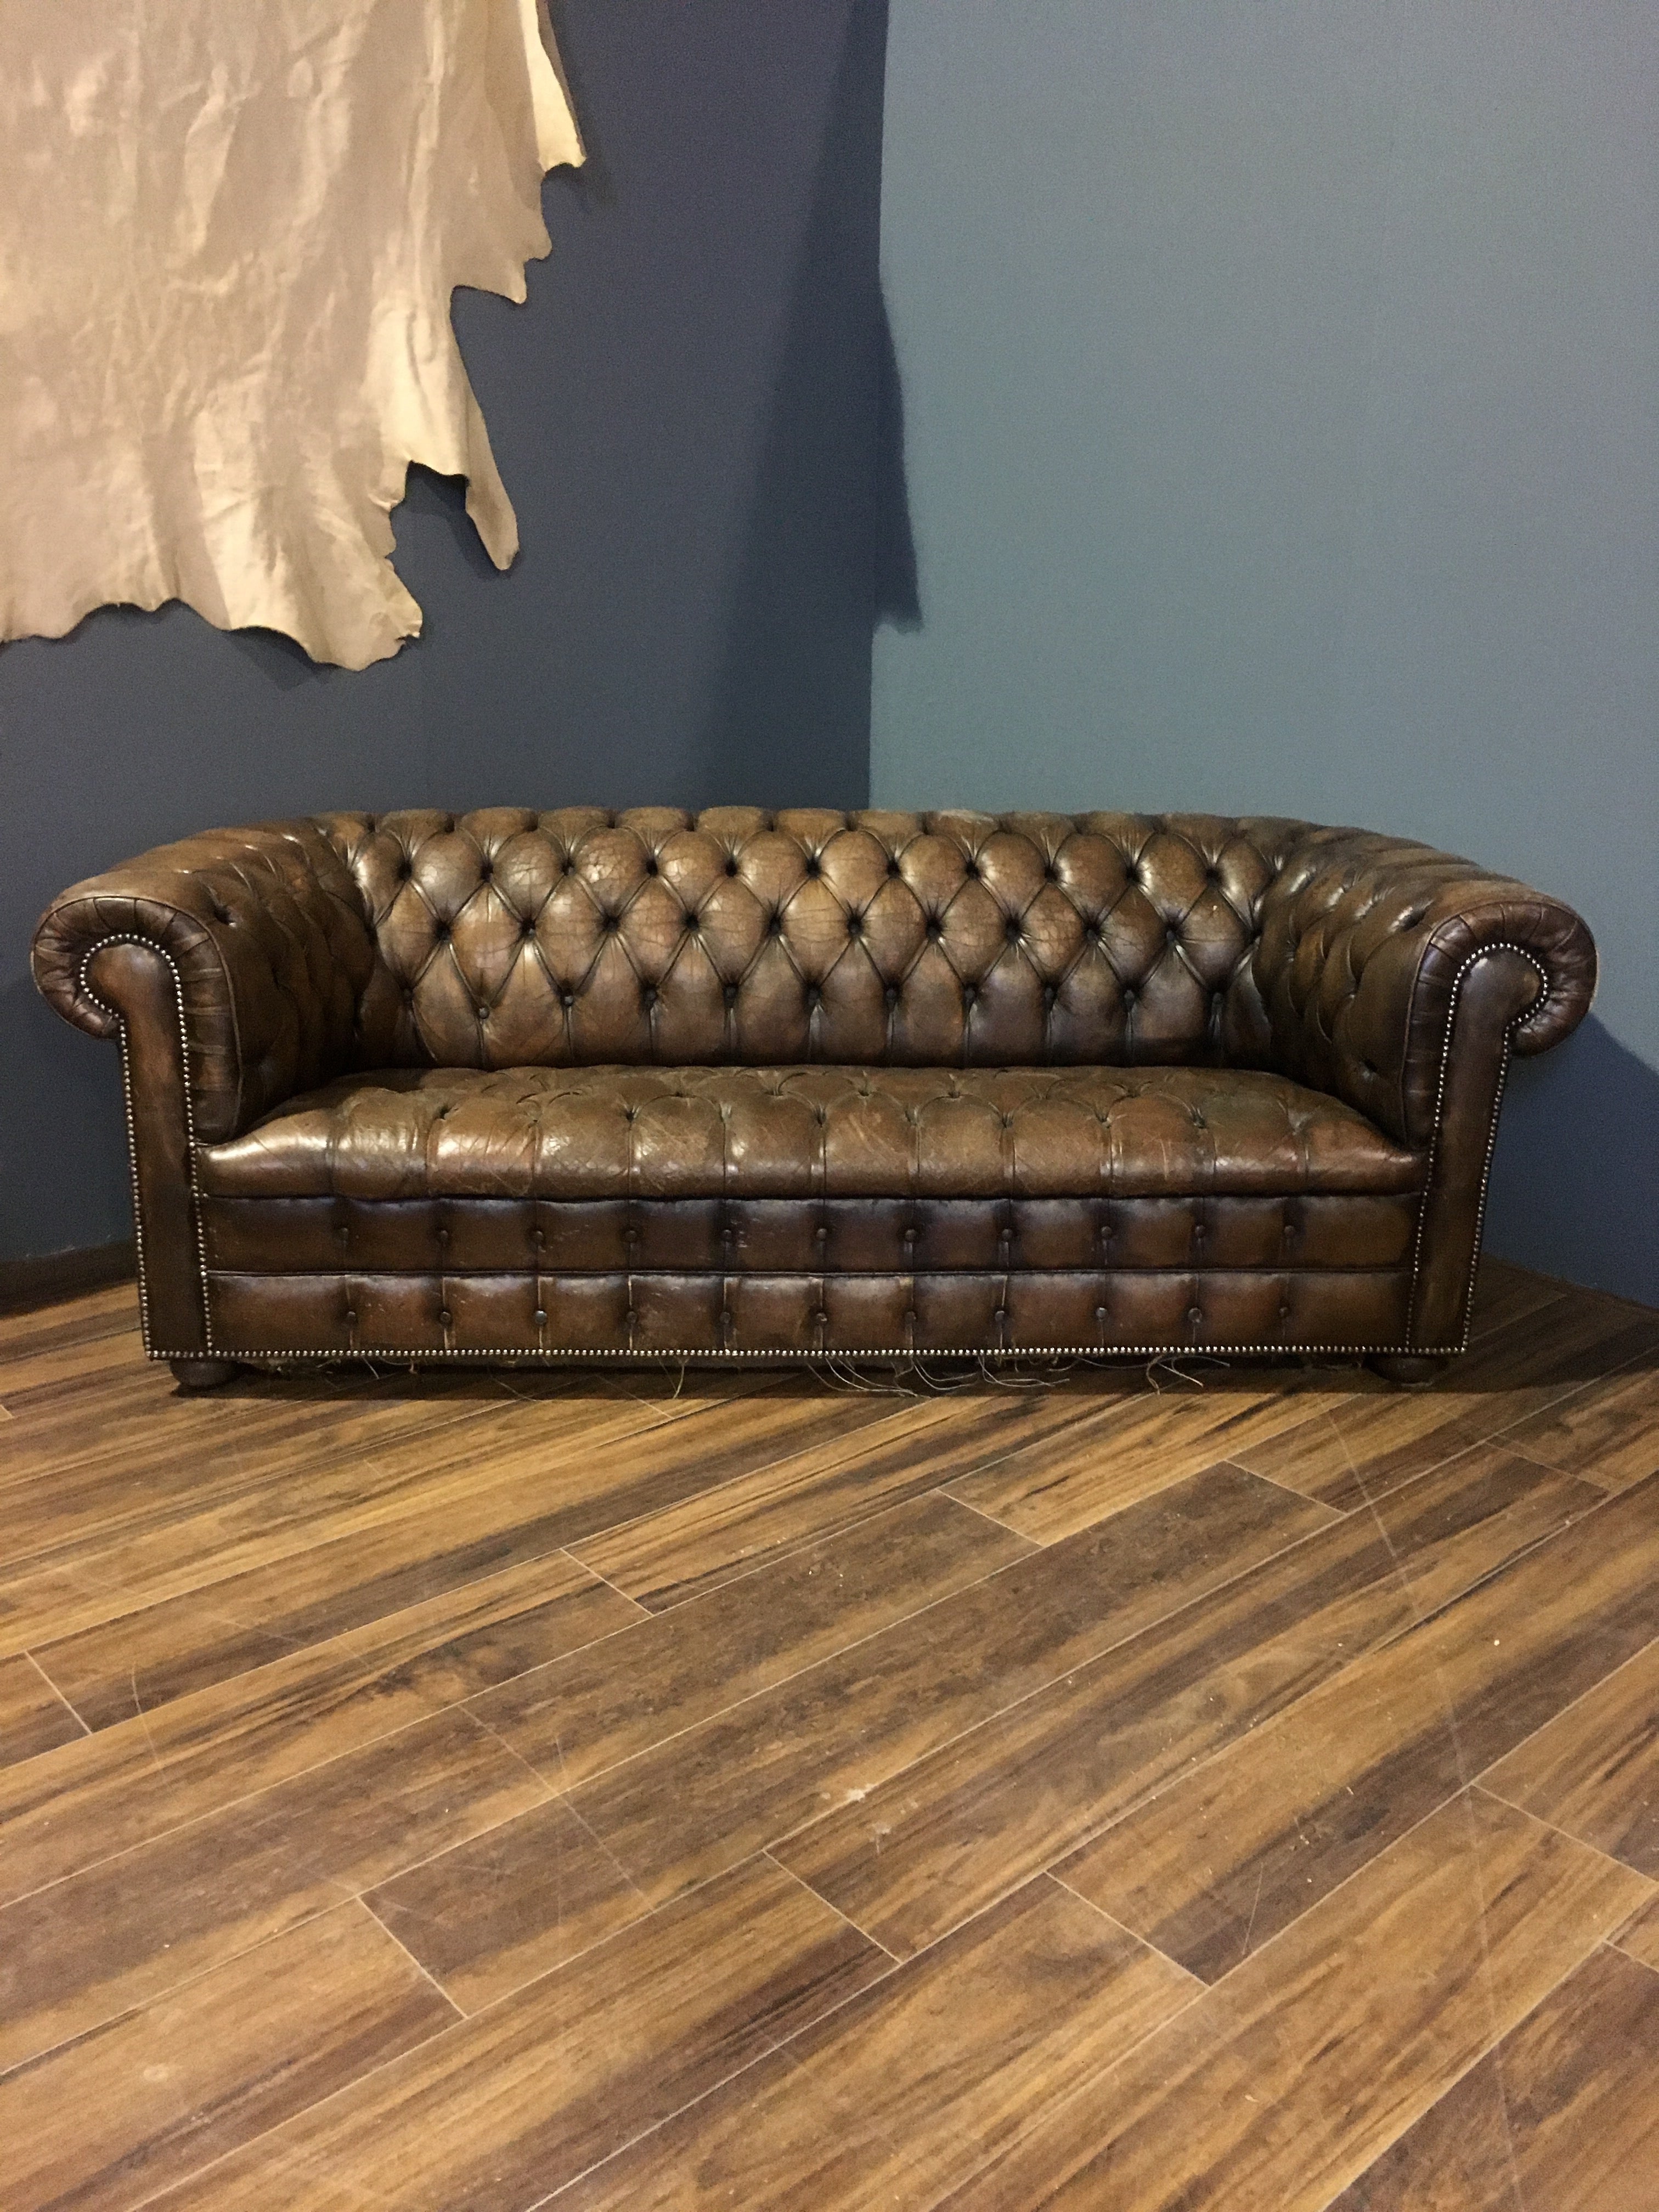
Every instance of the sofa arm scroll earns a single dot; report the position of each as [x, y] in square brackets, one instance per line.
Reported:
[1366, 948]
[269, 951]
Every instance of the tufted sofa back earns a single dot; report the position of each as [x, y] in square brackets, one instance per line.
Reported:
[508, 937]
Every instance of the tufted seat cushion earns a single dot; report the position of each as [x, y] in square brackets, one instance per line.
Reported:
[639, 1132]
[625, 1208]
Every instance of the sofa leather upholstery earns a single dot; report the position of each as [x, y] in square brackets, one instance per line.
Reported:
[538, 1084]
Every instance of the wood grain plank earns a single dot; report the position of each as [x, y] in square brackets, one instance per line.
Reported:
[78, 1468]
[937, 1843]
[1608, 1431]
[496, 1912]
[297, 1460]
[511, 1904]
[85, 1360]
[322, 1590]
[68, 1321]
[905, 2091]
[1552, 1351]
[498, 2112]
[1564, 2112]
[140, 1418]
[704, 1540]
[1280, 2085]
[1231, 1851]
[305, 1460]
[121, 1932]
[598, 1478]
[34, 1718]
[1055, 1486]
[1349, 1453]
[148, 2099]
[598, 1708]
[829, 1735]
[1504, 1293]
[1639, 1937]
[132, 1781]
[1594, 1770]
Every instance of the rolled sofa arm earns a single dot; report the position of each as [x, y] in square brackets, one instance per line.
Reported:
[1401, 978]
[231, 966]
[266, 938]
[1366, 945]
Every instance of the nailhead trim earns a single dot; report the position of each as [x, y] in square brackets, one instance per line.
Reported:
[1527, 1013]
[149, 946]
[396, 1356]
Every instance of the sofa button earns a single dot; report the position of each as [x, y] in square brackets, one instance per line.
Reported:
[820, 1319]
[445, 1318]
[1100, 1313]
[539, 1318]
[1195, 1314]
[351, 1317]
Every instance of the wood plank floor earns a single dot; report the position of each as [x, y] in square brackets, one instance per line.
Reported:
[1154, 1791]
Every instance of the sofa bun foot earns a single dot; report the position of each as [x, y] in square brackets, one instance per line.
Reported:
[202, 1374]
[1409, 1370]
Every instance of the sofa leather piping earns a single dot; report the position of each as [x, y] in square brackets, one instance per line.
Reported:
[1527, 1013]
[148, 945]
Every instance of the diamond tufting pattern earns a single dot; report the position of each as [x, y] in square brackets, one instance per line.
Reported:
[510, 938]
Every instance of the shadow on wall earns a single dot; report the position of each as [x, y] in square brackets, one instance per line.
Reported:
[827, 553]
[1575, 1180]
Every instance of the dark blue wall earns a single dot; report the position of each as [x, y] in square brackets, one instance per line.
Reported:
[688, 415]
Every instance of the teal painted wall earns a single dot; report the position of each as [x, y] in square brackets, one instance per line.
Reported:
[1281, 383]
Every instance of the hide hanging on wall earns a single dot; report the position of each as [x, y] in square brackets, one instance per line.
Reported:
[227, 243]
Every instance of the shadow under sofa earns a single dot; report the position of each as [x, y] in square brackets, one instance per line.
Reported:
[531, 1087]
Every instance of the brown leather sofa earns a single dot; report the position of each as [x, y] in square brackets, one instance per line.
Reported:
[523, 1087]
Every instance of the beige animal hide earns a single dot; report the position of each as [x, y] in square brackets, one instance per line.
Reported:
[228, 234]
